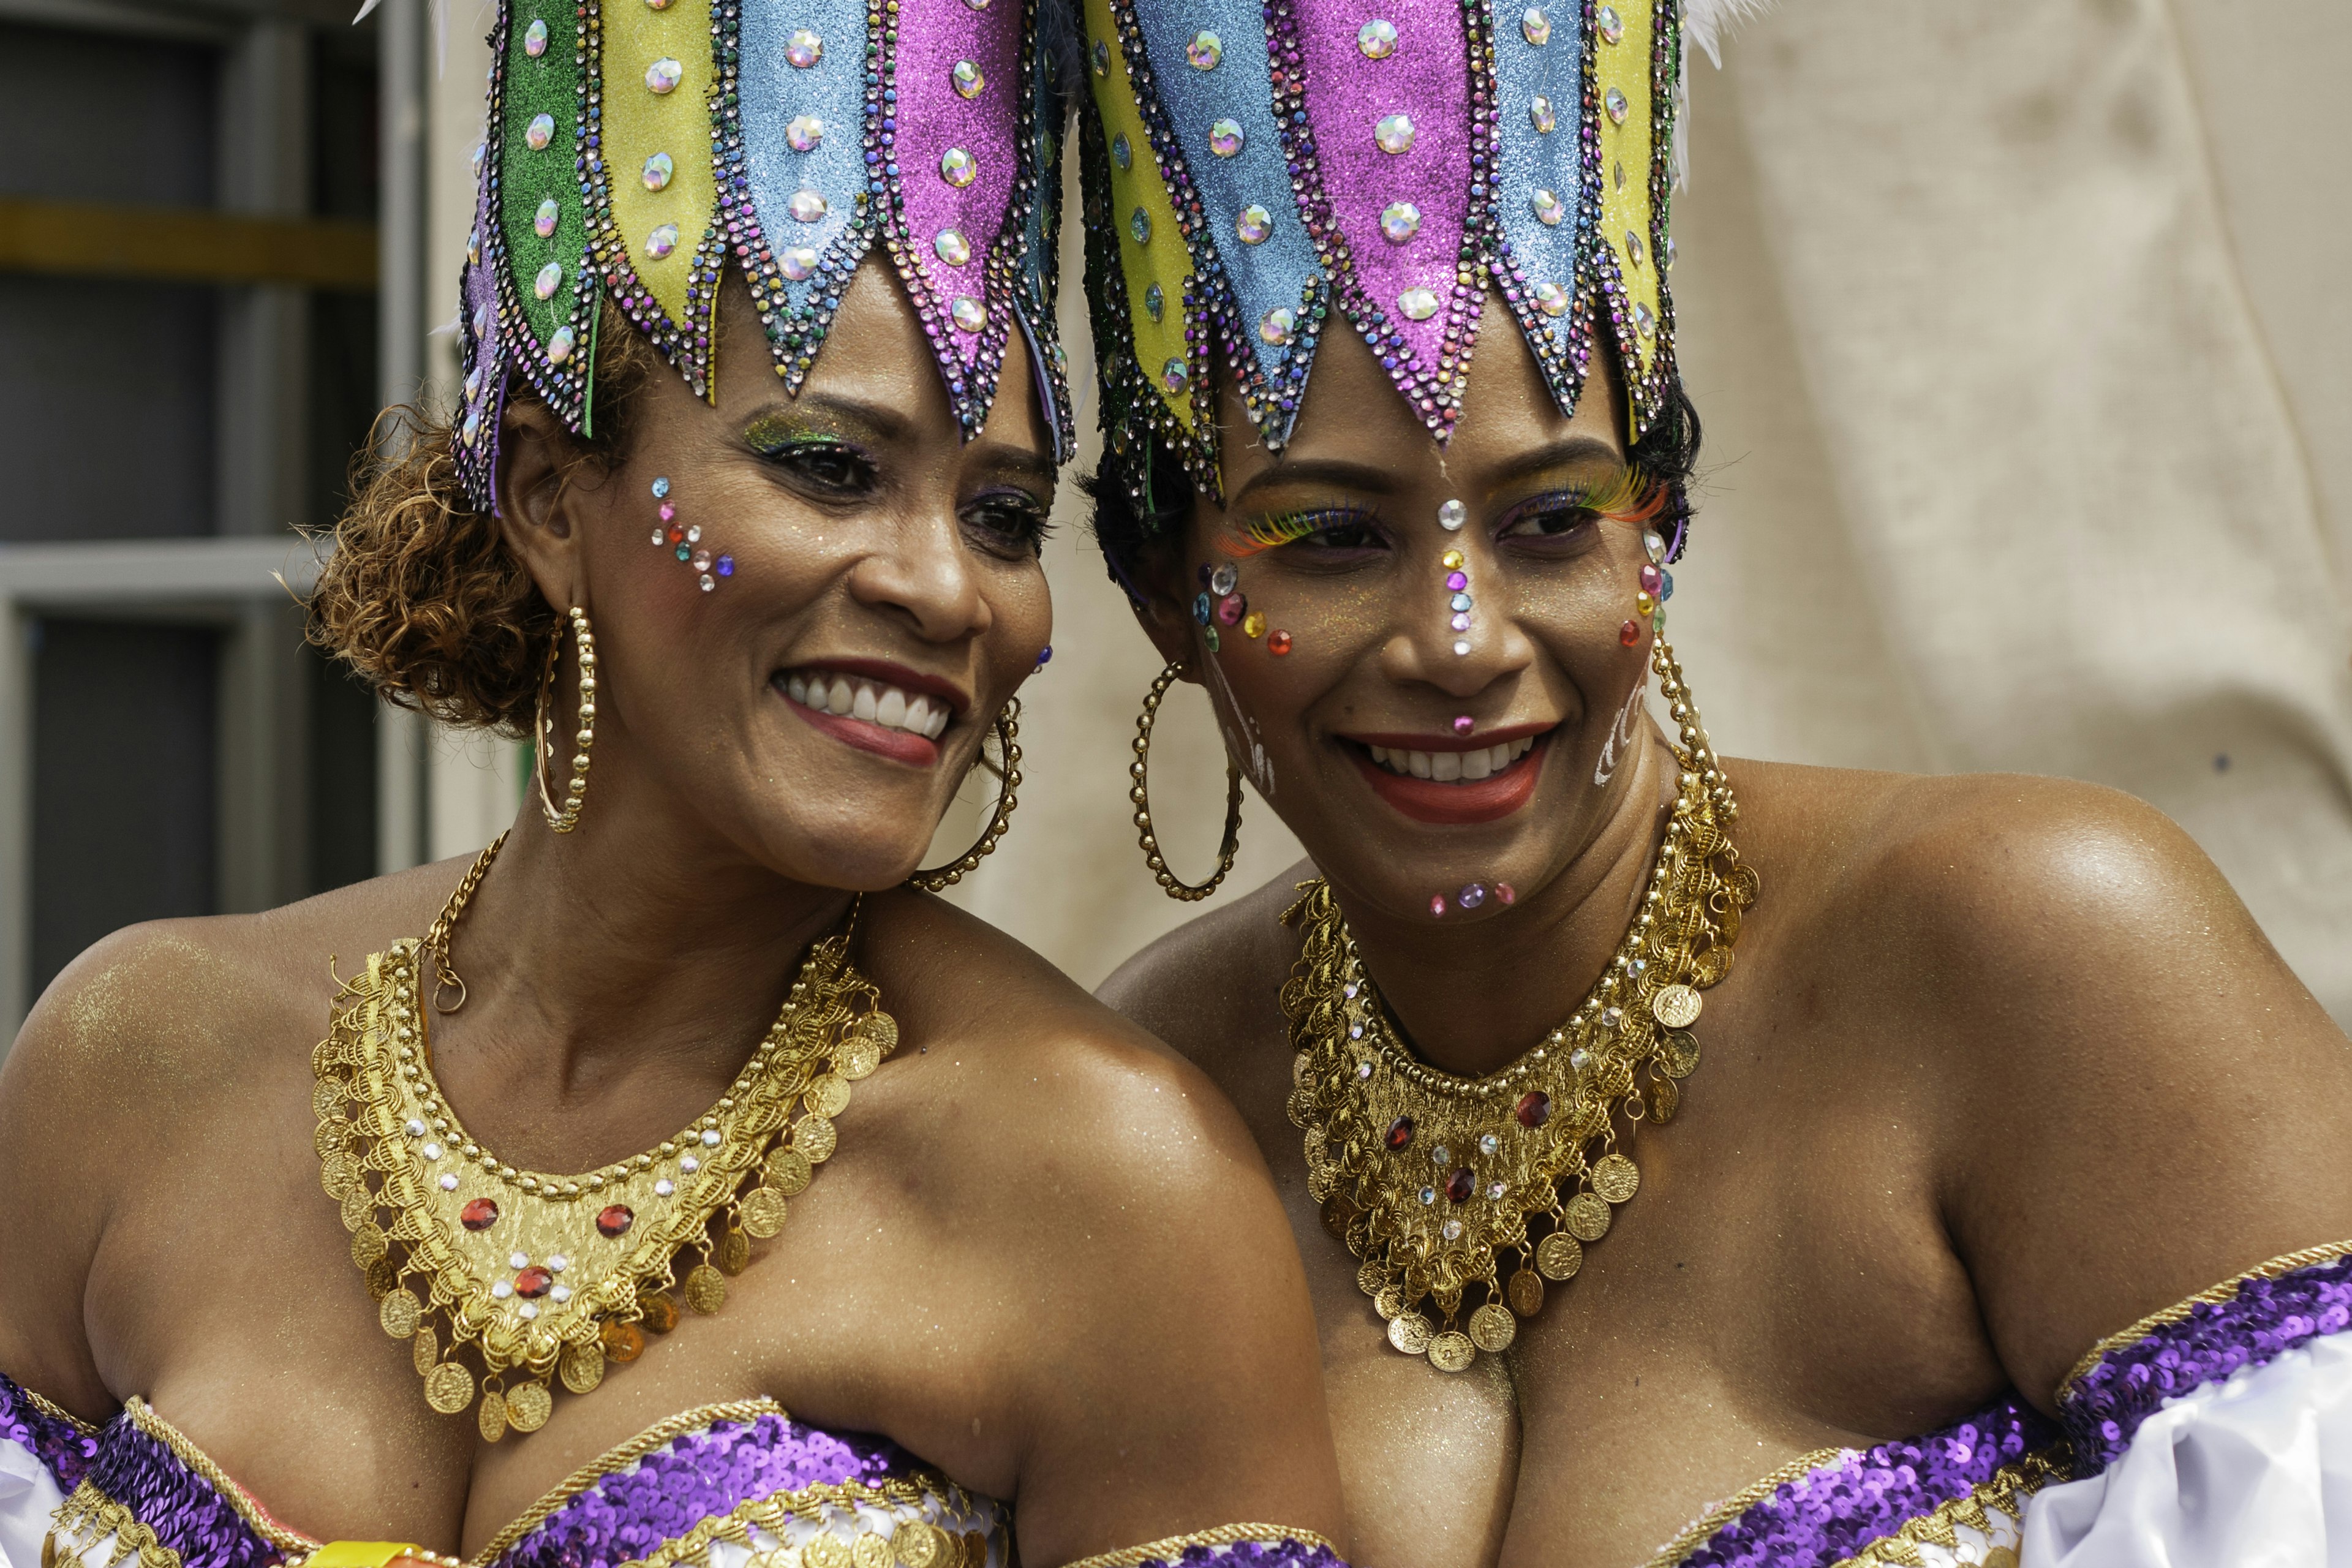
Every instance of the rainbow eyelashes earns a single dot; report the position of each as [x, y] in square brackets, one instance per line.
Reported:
[1260, 534]
[684, 539]
[1628, 496]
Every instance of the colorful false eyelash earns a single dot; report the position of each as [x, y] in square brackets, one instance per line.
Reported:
[1260, 534]
[1628, 496]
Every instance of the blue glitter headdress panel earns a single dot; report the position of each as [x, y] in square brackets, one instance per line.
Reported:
[1253, 166]
[635, 148]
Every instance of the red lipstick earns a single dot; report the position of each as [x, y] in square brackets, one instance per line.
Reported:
[1469, 801]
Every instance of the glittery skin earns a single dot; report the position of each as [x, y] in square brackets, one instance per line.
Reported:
[58, 1444]
[2103, 1408]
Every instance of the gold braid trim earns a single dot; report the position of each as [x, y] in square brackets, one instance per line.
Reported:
[91, 1511]
[1697, 1532]
[2286, 1263]
[56, 1412]
[619, 1457]
[291, 1542]
[1224, 1535]
[2007, 1491]
[915, 1543]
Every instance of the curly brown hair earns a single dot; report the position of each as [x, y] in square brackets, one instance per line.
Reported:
[419, 591]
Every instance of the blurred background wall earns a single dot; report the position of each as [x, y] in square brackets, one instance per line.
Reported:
[2021, 333]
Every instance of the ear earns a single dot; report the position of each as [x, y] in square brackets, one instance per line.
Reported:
[1166, 613]
[533, 500]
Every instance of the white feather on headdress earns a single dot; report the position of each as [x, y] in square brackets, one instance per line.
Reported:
[1705, 23]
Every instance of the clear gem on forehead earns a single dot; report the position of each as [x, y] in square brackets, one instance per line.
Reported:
[1206, 50]
[1535, 27]
[658, 172]
[805, 133]
[664, 75]
[1452, 516]
[968, 313]
[1394, 134]
[959, 167]
[952, 247]
[1377, 38]
[805, 48]
[967, 79]
[1252, 224]
[1225, 138]
[1399, 221]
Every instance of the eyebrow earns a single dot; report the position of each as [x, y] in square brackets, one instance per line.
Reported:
[883, 422]
[1340, 473]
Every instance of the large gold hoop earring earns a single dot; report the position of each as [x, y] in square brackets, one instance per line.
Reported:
[1138, 769]
[584, 642]
[1008, 741]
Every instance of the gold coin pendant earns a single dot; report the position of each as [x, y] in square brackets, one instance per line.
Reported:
[881, 1028]
[1409, 1331]
[1492, 1328]
[381, 1277]
[400, 1314]
[529, 1407]
[1526, 1292]
[827, 1551]
[1663, 1097]
[1559, 1256]
[448, 1387]
[491, 1415]
[1388, 1301]
[870, 1551]
[427, 1350]
[359, 1206]
[1370, 1278]
[1615, 1178]
[584, 1366]
[1588, 1218]
[789, 1172]
[733, 1253]
[1680, 1053]
[762, 1210]
[706, 1289]
[814, 1138]
[368, 1244]
[1452, 1352]
[829, 1095]
[859, 1058]
[1676, 1007]
[916, 1544]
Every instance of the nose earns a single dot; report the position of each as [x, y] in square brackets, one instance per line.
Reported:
[1447, 634]
[921, 570]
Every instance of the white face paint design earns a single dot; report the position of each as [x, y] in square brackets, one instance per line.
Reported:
[1618, 744]
[1245, 745]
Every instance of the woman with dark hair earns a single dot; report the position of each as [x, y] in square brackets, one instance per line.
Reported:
[794, 1216]
[1396, 469]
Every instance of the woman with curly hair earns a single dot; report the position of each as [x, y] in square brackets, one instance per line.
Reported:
[674, 1182]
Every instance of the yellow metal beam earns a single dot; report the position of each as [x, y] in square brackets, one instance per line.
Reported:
[82, 239]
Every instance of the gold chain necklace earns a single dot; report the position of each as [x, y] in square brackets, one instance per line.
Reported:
[1426, 1176]
[542, 1274]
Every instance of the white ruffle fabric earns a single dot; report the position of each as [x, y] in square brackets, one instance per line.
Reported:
[30, 1499]
[2255, 1472]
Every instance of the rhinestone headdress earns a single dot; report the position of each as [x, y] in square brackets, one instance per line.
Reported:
[1251, 168]
[637, 147]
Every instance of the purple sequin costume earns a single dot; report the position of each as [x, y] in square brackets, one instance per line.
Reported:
[1865, 1506]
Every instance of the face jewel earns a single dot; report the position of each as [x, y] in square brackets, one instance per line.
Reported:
[1548, 208]
[1629, 634]
[1452, 516]
[1138, 224]
[1534, 1110]
[1225, 137]
[664, 75]
[969, 314]
[1400, 221]
[658, 172]
[805, 133]
[1224, 579]
[797, 263]
[967, 79]
[1377, 38]
[1615, 101]
[958, 167]
[1540, 116]
[549, 278]
[479, 1214]
[1551, 299]
[1254, 624]
[1122, 152]
[1470, 898]
[544, 221]
[1461, 650]
[1418, 304]
[952, 247]
[1206, 50]
[1175, 375]
[534, 39]
[1155, 303]
[1202, 609]
[1102, 57]
[808, 206]
[662, 241]
[539, 132]
[1276, 325]
[1459, 602]
[1633, 247]
[1252, 224]
[805, 48]
[1394, 134]
[560, 344]
[1535, 26]
[661, 487]
[1399, 1133]
[1643, 321]
[1608, 24]
[1277, 643]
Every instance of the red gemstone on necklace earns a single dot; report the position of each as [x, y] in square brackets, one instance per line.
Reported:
[1535, 1109]
[533, 1282]
[616, 1220]
[479, 1214]
[1401, 1133]
[1461, 1184]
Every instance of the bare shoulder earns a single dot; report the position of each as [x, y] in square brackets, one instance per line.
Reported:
[2138, 1098]
[154, 1038]
[1209, 987]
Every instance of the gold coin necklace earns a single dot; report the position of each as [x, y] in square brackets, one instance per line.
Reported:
[1430, 1178]
[539, 1275]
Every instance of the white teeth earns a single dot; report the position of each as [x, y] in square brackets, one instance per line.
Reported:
[1417, 763]
[875, 701]
[1445, 767]
[1448, 767]
[1477, 764]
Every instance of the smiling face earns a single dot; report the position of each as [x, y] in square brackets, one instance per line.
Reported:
[808, 610]
[1426, 707]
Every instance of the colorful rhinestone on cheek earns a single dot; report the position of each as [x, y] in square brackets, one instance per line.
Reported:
[684, 541]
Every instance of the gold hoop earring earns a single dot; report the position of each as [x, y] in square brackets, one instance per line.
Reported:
[584, 642]
[1008, 741]
[1138, 769]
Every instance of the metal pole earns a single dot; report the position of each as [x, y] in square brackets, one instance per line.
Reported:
[404, 321]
